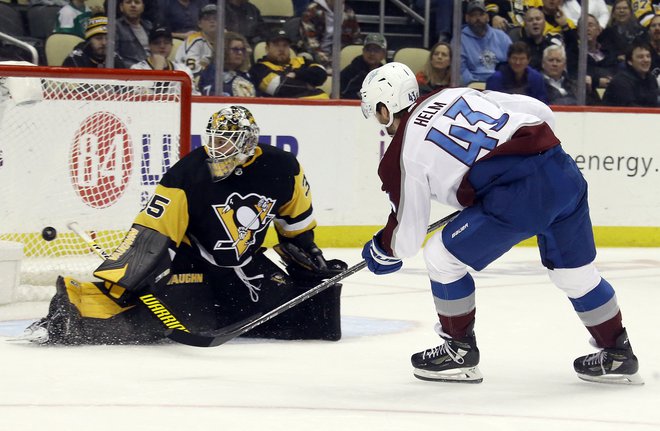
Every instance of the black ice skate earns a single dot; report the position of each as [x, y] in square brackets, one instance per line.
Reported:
[614, 365]
[454, 361]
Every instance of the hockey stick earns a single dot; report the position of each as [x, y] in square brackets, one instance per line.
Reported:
[222, 335]
[153, 304]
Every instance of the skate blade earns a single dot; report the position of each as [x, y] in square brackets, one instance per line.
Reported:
[614, 379]
[39, 336]
[457, 375]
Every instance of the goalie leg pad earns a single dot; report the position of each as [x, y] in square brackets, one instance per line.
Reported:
[316, 318]
[63, 322]
[80, 314]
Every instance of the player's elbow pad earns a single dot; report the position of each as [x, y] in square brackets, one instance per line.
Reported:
[141, 259]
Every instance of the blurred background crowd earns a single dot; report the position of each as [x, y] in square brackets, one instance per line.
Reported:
[553, 50]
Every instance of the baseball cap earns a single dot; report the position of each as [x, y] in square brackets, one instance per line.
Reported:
[475, 5]
[209, 9]
[376, 39]
[158, 32]
[96, 25]
[278, 34]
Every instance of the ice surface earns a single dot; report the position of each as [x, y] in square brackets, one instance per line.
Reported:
[527, 333]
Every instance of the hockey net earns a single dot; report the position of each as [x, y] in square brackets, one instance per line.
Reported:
[85, 146]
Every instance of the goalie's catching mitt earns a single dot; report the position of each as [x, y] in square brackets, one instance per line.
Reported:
[308, 265]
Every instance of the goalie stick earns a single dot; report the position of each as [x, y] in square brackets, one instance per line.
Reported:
[222, 335]
[159, 310]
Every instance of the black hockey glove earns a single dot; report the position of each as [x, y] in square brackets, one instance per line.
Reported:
[308, 264]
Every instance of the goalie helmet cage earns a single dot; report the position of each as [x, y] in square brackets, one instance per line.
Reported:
[83, 145]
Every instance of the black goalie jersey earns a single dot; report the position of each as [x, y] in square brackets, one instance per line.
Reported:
[226, 221]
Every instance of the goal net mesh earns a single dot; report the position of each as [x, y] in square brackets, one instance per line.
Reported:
[84, 149]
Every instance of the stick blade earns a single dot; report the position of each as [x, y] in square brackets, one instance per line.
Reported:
[188, 338]
[212, 338]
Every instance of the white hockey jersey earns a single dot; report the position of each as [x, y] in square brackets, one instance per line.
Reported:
[438, 143]
[196, 53]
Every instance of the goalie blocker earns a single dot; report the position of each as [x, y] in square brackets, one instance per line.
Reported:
[141, 260]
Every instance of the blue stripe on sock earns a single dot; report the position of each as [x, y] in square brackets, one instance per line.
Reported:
[459, 289]
[598, 296]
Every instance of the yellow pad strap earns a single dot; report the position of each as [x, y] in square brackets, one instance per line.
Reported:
[90, 301]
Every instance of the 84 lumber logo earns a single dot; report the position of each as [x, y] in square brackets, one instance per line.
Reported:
[242, 218]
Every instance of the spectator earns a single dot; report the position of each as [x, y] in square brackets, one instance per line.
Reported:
[436, 73]
[602, 63]
[236, 80]
[555, 19]
[654, 41]
[598, 8]
[532, 33]
[561, 89]
[316, 28]
[516, 77]
[373, 55]
[635, 85]
[482, 47]
[197, 50]
[181, 16]
[91, 53]
[244, 18]
[73, 17]
[277, 74]
[160, 48]
[621, 30]
[644, 11]
[507, 14]
[132, 32]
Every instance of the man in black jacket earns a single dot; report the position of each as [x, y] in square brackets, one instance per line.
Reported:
[244, 18]
[373, 55]
[278, 74]
[635, 85]
[91, 53]
[533, 33]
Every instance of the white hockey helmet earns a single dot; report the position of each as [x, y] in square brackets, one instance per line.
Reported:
[394, 85]
[232, 135]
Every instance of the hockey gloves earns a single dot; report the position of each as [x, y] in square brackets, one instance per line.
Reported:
[377, 259]
[308, 264]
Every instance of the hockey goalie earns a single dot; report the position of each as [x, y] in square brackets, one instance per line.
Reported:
[197, 247]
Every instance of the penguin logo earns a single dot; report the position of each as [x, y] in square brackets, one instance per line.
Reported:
[242, 217]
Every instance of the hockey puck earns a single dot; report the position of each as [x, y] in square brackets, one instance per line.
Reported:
[49, 233]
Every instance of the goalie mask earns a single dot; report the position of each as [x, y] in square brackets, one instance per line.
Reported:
[231, 138]
[394, 85]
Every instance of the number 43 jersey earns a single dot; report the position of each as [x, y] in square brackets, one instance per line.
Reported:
[441, 140]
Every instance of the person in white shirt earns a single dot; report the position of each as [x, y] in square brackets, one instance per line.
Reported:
[198, 49]
[598, 8]
[160, 46]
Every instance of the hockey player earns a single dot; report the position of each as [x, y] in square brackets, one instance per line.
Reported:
[197, 245]
[495, 157]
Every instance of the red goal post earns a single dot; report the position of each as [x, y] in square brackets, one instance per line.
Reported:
[83, 145]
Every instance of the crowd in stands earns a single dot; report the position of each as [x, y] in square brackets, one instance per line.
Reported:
[529, 47]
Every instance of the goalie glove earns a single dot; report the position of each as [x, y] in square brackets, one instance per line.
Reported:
[308, 264]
